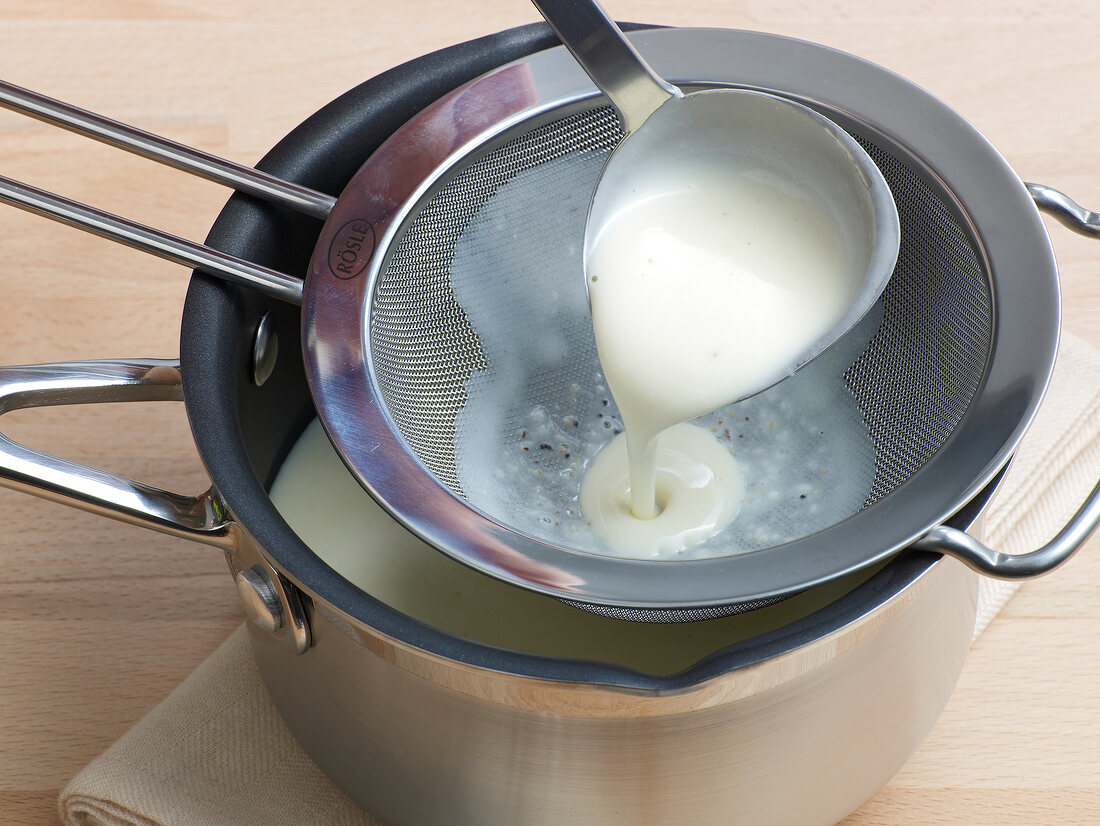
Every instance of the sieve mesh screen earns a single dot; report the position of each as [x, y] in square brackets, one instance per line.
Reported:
[482, 350]
[422, 344]
[921, 370]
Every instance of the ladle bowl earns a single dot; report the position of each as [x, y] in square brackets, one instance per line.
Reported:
[668, 132]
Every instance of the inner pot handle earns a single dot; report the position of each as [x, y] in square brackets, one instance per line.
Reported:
[203, 518]
[1065, 210]
[948, 540]
[972, 552]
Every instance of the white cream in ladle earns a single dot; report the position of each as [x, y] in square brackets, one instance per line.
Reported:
[733, 235]
[701, 295]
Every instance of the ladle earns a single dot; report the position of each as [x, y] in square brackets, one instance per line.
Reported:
[726, 125]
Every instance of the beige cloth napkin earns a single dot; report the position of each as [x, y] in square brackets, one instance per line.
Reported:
[215, 751]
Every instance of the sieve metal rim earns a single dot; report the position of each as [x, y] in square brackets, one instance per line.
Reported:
[948, 152]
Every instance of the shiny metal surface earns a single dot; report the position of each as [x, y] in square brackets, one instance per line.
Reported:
[608, 58]
[162, 150]
[500, 551]
[1065, 209]
[270, 600]
[948, 540]
[975, 182]
[153, 241]
[426, 737]
[422, 740]
[702, 123]
[260, 599]
[202, 518]
[972, 552]
[793, 143]
[265, 350]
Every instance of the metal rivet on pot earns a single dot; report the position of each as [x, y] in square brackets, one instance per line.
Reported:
[265, 350]
[260, 598]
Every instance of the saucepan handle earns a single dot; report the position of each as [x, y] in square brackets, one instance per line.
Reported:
[203, 518]
[1065, 210]
[947, 540]
[973, 553]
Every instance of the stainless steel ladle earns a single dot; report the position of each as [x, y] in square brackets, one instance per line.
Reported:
[729, 128]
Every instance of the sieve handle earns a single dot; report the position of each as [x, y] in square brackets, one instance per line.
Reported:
[605, 54]
[970, 551]
[165, 151]
[974, 554]
[149, 239]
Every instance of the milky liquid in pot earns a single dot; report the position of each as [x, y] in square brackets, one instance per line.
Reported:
[701, 294]
[328, 509]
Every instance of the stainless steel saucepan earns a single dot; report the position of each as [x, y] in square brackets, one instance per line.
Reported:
[424, 727]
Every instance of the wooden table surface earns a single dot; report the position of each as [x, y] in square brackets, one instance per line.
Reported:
[101, 620]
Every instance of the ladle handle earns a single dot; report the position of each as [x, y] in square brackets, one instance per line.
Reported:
[984, 560]
[608, 57]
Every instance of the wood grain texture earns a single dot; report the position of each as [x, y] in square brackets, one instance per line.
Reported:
[101, 620]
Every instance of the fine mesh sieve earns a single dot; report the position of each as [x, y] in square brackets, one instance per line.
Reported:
[456, 371]
[482, 346]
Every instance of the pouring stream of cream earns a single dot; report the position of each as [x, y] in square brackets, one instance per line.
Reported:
[700, 296]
